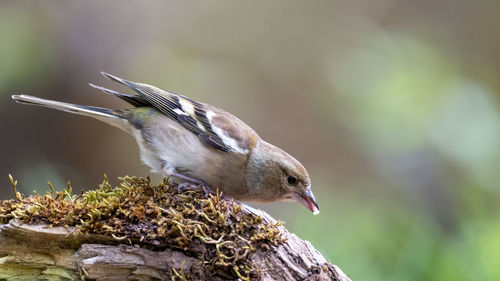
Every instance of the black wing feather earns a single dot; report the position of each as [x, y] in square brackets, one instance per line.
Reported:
[214, 141]
[134, 100]
[168, 103]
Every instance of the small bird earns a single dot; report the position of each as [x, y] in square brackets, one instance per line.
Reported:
[199, 144]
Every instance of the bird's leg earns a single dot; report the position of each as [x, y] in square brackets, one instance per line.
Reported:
[185, 185]
[206, 189]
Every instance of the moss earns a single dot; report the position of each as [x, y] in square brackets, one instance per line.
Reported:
[212, 229]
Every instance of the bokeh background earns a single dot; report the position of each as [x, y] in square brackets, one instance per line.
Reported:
[392, 105]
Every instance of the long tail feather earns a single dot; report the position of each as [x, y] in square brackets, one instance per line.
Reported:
[109, 116]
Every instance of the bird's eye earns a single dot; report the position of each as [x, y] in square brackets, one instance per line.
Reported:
[291, 180]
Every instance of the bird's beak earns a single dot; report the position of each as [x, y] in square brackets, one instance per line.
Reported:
[307, 199]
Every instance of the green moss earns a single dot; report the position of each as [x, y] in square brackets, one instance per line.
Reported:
[157, 217]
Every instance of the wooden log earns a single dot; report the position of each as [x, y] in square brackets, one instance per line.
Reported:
[32, 248]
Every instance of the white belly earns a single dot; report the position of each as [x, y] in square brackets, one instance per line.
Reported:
[148, 156]
[165, 145]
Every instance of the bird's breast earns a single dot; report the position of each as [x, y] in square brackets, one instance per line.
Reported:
[163, 141]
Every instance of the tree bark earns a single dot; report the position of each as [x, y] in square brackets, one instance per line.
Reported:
[41, 252]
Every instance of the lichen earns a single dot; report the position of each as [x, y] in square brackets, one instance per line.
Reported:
[210, 228]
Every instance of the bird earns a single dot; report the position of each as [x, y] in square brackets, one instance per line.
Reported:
[199, 144]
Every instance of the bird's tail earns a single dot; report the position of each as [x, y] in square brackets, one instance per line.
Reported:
[113, 117]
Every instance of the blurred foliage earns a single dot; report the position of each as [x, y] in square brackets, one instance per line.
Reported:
[26, 52]
[393, 107]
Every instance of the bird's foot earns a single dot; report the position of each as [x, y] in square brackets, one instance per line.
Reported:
[207, 190]
[191, 184]
[185, 186]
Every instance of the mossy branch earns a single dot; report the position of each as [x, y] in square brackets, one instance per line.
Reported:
[141, 231]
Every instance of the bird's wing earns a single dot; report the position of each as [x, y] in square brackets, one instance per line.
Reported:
[214, 126]
[134, 100]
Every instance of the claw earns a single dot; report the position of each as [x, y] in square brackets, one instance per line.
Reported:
[207, 190]
[192, 184]
[183, 186]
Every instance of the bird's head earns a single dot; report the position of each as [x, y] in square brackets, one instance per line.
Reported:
[279, 176]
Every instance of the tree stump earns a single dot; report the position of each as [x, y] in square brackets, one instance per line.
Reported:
[61, 237]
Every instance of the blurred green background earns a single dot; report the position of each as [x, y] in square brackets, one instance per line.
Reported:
[393, 106]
